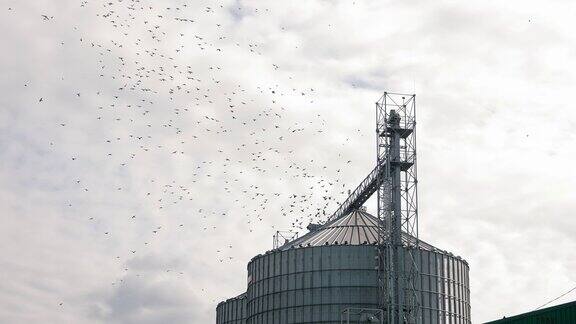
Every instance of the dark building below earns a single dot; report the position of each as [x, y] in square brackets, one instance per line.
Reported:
[561, 314]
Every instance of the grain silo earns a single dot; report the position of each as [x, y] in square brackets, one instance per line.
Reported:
[359, 268]
[317, 277]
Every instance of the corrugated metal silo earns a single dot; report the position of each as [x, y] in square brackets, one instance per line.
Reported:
[315, 277]
[232, 311]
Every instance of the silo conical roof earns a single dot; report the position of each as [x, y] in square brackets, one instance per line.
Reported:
[356, 228]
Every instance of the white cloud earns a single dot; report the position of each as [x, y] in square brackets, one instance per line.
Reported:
[290, 87]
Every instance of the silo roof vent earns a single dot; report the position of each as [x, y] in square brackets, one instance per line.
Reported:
[313, 227]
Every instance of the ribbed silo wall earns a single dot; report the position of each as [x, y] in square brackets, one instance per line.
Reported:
[444, 288]
[310, 284]
[314, 285]
[232, 311]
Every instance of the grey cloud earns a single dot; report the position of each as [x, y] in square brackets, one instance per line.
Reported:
[495, 145]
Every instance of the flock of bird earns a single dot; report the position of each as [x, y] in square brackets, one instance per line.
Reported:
[166, 69]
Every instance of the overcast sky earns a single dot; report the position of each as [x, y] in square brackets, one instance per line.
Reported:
[149, 149]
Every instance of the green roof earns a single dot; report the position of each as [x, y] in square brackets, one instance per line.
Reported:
[560, 314]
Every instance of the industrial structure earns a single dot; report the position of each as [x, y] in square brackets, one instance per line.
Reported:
[359, 268]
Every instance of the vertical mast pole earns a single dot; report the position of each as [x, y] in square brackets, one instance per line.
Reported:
[398, 274]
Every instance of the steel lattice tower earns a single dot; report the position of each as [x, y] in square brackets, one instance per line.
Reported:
[398, 274]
